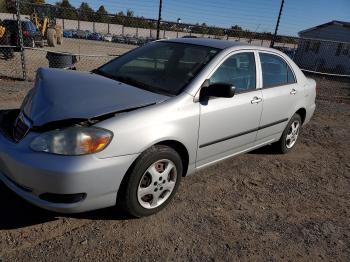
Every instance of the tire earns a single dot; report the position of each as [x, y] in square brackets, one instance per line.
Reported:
[41, 43]
[285, 145]
[142, 194]
[51, 37]
[29, 42]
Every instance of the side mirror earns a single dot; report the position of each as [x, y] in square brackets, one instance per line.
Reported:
[218, 90]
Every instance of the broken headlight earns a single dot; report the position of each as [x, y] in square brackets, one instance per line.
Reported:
[75, 140]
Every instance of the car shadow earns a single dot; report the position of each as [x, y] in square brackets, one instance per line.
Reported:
[17, 213]
[265, 150]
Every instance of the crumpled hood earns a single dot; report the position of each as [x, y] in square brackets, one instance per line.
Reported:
[65, 94]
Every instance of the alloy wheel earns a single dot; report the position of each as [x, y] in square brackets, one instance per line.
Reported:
[157, 184]
[292, 134]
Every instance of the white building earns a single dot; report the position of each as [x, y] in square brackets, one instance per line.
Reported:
[325, 48]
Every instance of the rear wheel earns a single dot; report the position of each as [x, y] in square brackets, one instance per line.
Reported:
[152, 182]
[290, 135]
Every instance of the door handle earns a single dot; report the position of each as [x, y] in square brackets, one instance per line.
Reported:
[293, 92]
[256, 100]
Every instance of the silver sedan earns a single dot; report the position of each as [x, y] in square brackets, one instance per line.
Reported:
[128, 131]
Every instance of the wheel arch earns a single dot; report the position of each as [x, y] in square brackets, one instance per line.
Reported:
[181, 150]
[179, 147]
[302, 113]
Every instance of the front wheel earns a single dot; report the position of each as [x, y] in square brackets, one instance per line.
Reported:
[290, 135]
[29, 42]
[152, 182]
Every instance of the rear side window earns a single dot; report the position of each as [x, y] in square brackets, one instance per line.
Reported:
[275, 71]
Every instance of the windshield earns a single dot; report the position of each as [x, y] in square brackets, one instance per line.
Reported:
[160, 67]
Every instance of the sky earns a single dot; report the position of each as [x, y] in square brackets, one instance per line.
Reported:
[255, 15]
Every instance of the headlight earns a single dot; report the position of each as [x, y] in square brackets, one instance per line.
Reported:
[72, 141]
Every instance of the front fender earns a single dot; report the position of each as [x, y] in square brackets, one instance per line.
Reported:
[134, 132]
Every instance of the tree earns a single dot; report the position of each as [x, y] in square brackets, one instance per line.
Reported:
[66, 10]
[118, 18]
[11, 6]
[129, 13]
[236, 28]
[101, 15]
[3, 7]
[85, 12]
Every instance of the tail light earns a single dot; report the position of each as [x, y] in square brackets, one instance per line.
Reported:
[26, 33]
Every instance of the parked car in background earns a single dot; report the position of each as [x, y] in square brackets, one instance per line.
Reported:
[68, 33]
[132, 40]
[95, 36]
[31, 36]
[131, 129]
[108, 37]
[82, 34]
[119, 39]
[141, 40]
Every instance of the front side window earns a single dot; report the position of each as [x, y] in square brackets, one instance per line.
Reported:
[160, 67]
[239, 71]
[275, 71]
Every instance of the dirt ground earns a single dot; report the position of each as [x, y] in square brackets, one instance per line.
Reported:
[257, 206]
[102, 52]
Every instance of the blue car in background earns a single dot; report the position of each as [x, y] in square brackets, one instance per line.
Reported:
[95, 36]
[68, 33]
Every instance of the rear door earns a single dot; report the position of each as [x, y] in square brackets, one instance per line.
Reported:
[280, 94]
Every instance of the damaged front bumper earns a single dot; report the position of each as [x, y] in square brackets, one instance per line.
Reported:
[67, 184]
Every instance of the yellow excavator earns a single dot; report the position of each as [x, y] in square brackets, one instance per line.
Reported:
[7, 52]
[44, 19]
[2, 31]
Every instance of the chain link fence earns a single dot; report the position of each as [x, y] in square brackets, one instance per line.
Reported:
[91, 39]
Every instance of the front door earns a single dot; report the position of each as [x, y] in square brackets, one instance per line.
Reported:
[229, 125]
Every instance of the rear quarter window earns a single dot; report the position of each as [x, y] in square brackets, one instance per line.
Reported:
[275, 71]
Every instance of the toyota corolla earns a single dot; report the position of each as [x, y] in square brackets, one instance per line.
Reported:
[128, 131]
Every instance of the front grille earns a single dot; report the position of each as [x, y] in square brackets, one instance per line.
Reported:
[21, 128]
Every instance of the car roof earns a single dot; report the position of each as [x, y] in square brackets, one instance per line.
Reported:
[216, 43]
[220, 44]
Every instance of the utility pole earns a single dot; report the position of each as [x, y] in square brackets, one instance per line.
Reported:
[159, 17]
[277, 24]
[21, 42]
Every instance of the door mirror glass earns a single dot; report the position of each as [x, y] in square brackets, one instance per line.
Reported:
[218, 90]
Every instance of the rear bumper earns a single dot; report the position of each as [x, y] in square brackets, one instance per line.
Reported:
[30, 174]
